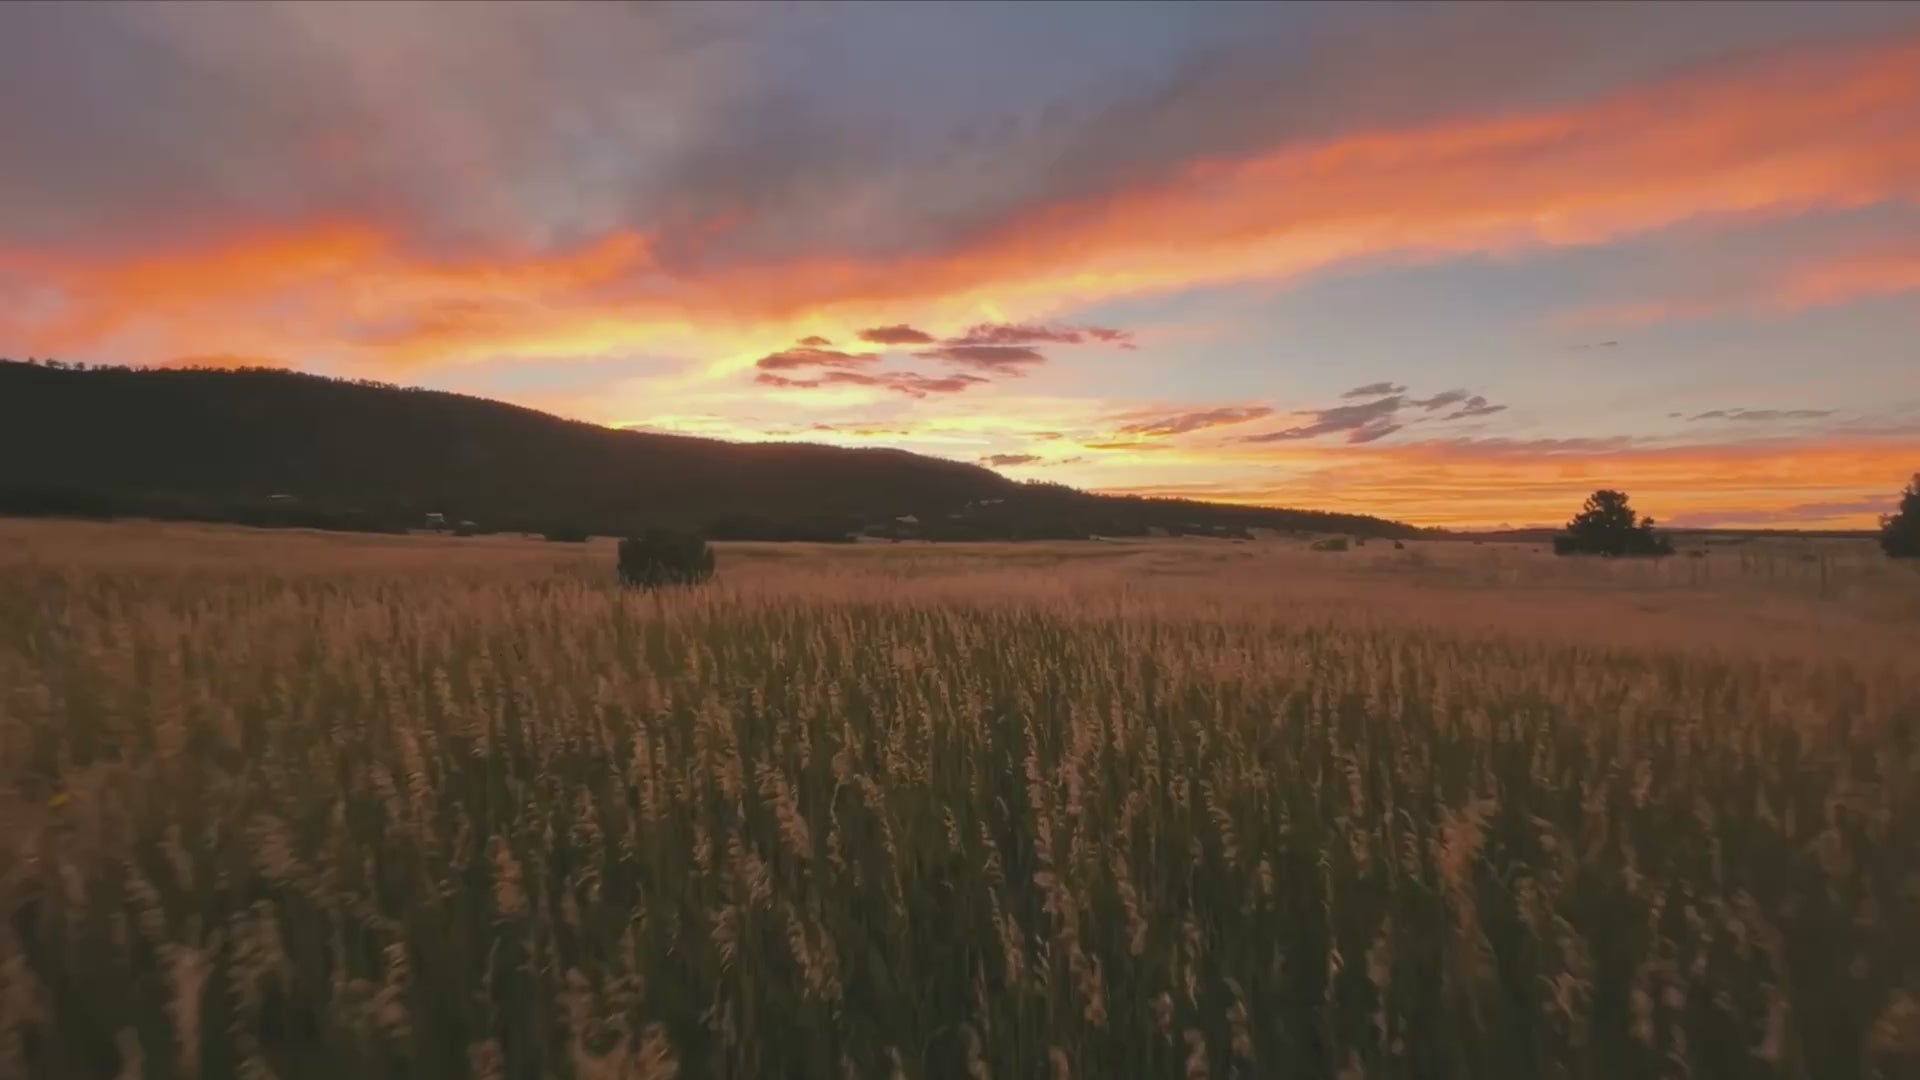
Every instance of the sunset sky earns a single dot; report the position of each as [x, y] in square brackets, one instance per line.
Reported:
[1452, 265]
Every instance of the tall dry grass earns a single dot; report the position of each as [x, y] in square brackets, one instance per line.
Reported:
[301, 806]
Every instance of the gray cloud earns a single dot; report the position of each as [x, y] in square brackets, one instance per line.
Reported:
[1442, 400]
[1005, 358]
[1007, 348]
[1002, 460]
[1182, 423]
[1375, 389]
[808, 356]
[1503, 447]
[1029, 334]
[1371, 432]
[896, 335]
[172, 122]
[973, 350]
[1762, 415]
[1475, 406]
[1360, 423]
[1370, 421]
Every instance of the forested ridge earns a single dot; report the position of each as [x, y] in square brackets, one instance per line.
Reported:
[272, 447]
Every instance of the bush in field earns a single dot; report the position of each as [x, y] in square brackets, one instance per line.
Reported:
[1606, 525]
[1331, 543]
[663, 557]
[1900, 531]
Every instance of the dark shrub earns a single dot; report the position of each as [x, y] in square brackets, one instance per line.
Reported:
[1606, 525]
[1398, 546]
[664, 557]
[1900, 531]
[565, 536]
[1331, 543]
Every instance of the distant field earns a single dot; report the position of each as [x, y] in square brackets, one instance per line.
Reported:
[313, 805]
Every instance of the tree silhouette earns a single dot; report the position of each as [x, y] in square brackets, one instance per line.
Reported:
[1900, 531]
[1606, 525]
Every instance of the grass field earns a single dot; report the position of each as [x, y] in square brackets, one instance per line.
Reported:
[300, 805]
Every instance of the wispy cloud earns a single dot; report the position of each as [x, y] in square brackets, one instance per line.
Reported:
[1761, 415]
[1001, 358]
[1371, 421]
[1375, 389]
[1441, 400]
[809, 356]
[1128, 445]
[909, 383]
[1030, 334]
[1008, 460]
[1474, 406]
[1183, 423]
[1360, 423]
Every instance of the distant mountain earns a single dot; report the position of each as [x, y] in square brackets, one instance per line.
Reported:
[274, 447]
[1544, 534]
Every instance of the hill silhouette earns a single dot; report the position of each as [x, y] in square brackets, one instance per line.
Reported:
[271, 447]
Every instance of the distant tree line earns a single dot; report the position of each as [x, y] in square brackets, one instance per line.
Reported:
[1606, 525]
[24, 501]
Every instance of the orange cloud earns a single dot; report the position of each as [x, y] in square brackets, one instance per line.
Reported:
[1781, 134]
[345, 287]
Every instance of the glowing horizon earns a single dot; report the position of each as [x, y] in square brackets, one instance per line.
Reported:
[1451, 265]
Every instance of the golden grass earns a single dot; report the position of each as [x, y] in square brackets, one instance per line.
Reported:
[305, 805]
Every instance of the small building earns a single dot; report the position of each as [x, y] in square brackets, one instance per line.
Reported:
[436, 521]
